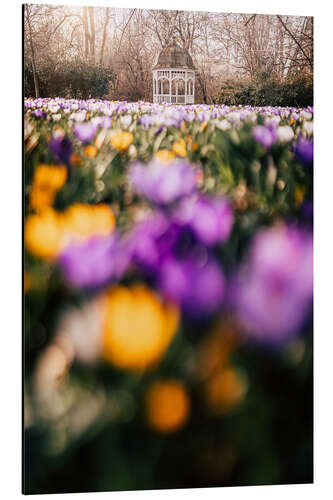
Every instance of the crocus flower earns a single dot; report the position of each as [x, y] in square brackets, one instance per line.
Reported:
[43, 234]
[85, 132]
[273, 294]
[139, 327]
[106, 122]
[265, 136]
[304, 151]
[94, 263]
[47, 181]
[285, 133]
[38, 113]
[146, 120]
[61, 147]
[167, 406]
[152, 241]
[198, 285]
[211, 219]
[121, 140]
[163, 184]
[81, 328]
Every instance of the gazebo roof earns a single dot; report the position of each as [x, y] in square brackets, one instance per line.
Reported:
[174, 56]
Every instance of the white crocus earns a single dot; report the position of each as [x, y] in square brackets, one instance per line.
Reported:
[285, 133]
[308, 127]
[126, 121]
[223, 125]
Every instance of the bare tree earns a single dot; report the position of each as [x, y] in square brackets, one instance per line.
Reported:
[106, 22]
[31, 42]
[127, 41]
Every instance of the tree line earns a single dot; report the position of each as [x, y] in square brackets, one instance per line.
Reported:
[109, 52]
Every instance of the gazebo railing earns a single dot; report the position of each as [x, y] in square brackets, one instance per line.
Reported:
[174, 99]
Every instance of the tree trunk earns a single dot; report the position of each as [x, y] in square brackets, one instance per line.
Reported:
[86, 32]
[203, 88]
[33, 60]
[92, 34]
[107, 18]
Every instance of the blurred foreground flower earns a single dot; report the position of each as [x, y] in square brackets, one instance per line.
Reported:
[49, 233]
[304, 151]
[225, 390]
[211, 219]
[198, 286]
[163, 183]
[80, 331]
[90, 151]
[61, 147]
[265, 135]
[121, 140]
[165, 156]
[52, 176]
[175, 249]
[273, 294]
[47, 181]
[285, 133]
[179, 147]
[43, 234]
[94, 263]
[84, 221]
[138, 328]
[216, 349]
[85, 132]
[167, 406]
[51, 369]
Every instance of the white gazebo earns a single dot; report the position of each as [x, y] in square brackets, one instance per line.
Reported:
[174, 76]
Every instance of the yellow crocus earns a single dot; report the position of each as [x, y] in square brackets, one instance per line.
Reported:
[83, 221]
[225, 390]
[50, 176]
[167, 406]
[47, 181]
[179, 147]
[41, 198]
[121, 140]
[164, 156]
[103, 219]
[138, 327]
[90, 151]
[44, 233]
[75, 159]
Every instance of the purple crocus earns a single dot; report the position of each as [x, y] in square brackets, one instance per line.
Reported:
[38, 113]
[106, 122]
[94, 263]
[85, 132]
[198, 285]
[181, 266]
[152, 241]
[265, 135]
[146, 120]
[304, 151]
[273, 293]
[306, 212]
[61, 147]
[163, 184]
[210, 219]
